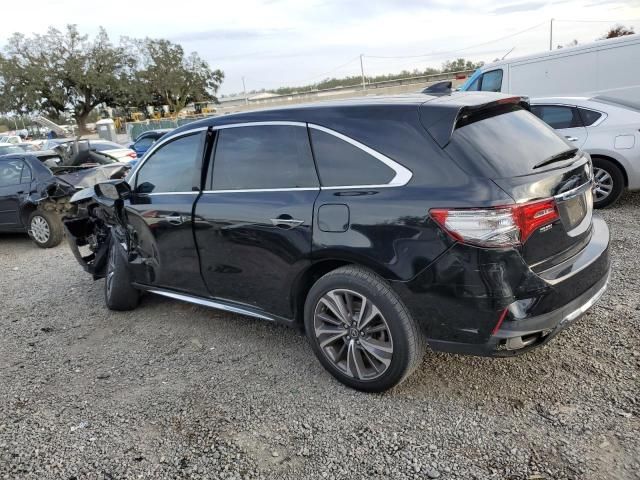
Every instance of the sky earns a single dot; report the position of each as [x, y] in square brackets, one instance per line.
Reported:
[273, 43]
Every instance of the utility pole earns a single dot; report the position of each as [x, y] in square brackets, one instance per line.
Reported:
[244, 89]
[364, 85]
[551, 36]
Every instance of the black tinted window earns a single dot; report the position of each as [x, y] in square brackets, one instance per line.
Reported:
[505, 145]
[341, 164]
[171, 168]
[10, 172]
[557, 116]
[145, 142]
[492, 81]
[589, 117]
[266, 156]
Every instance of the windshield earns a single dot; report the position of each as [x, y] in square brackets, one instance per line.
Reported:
[470, 80]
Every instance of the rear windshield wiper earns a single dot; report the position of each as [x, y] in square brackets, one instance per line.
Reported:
[557, 158]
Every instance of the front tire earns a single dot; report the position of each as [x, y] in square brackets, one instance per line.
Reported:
[119, 294]
[609, 182]
[45, 228]
[361, 331]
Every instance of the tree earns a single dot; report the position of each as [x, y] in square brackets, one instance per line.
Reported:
[64, 71]
[460, 65]
[618, 31]
[168, 77]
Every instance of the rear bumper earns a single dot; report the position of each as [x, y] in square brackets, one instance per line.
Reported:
[520, 336]
[490, 303]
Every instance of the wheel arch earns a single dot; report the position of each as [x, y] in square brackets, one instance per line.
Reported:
[615, 162]
[318, 268]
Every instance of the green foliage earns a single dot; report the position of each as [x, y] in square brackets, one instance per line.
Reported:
[618, 31]
[167, 77]
[64, 72]
[459, 65]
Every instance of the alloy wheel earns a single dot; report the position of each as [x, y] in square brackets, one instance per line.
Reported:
[40, 229]
[604, 183]
[353, 334]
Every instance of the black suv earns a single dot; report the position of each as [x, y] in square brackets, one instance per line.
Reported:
[381, 225]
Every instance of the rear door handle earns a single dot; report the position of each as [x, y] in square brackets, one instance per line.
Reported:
[285, 221]
[570, 138]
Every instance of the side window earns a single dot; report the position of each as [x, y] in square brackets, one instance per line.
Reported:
[261, 157]
[171, 168]
[10, 172]
[557, 117]
[589, 117]
[492, 81]
[343, 164]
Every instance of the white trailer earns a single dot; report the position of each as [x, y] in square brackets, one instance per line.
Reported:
[607, 67]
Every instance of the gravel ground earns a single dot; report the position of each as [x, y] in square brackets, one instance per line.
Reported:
[177, 391]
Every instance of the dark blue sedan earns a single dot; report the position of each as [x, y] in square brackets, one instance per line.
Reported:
[146, 139]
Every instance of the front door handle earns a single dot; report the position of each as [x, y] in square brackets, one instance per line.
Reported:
[570, 138]
[286, 221]
[176, 219]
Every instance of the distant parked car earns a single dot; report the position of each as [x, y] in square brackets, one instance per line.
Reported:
[608, 129]
[105, 147]
[144, 141]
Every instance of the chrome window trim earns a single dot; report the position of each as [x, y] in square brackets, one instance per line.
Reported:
[250, 190]
[402, 174]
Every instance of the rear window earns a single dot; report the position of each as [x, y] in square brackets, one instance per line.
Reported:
[508, 144]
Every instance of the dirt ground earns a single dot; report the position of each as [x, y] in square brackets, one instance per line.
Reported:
[171, 390]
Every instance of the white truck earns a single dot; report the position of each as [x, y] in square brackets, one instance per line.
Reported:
[608, 68]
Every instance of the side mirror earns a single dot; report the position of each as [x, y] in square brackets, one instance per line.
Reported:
[113, 190]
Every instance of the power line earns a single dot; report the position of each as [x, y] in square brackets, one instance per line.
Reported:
[434, 54]
[598, 21]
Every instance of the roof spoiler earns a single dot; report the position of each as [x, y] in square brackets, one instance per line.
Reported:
[442, 119]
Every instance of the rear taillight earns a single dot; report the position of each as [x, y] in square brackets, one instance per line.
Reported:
[497, 226]
[132, 155]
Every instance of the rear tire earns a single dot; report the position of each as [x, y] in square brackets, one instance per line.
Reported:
[119, 294]
[45, 228]
[370, 349]
[609, 182]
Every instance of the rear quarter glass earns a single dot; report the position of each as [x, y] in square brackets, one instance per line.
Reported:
[505, 145]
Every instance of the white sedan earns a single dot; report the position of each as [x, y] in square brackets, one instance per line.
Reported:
[607, 129]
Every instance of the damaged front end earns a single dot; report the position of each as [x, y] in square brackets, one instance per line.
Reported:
[96, 222]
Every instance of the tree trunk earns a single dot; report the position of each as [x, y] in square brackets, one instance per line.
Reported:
[81, 120]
